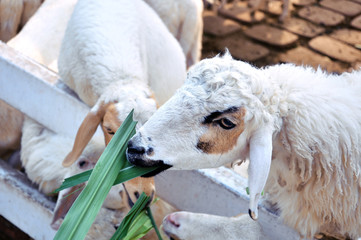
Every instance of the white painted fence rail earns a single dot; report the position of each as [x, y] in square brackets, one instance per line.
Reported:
[37, 92]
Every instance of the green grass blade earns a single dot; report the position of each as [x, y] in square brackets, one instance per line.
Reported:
[124, 175]
[139, 227]
[131, 172]
[74, 180]
[84, 210]
[138, 207]
[150, 215]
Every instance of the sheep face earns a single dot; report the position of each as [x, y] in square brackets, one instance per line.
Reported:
[189, 226]
[86, 161]
[109, 112]
[214, 119]
[203, 125]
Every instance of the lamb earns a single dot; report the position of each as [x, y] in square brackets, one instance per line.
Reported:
[198, 226]
[42, 151]
[112, 58]
[299, 128]
[185, 23]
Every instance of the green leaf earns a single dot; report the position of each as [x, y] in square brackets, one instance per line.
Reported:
[131, 172]
[150, 215]
[138, 207]
[124, 175]
[139, 227]
[84, 210]
[74, 180]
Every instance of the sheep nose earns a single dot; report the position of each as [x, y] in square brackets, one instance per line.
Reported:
[133, 149]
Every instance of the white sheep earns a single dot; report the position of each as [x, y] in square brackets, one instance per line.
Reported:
[184, 20]
[306, 123]
[111, 58]
[42, 152]
[199, 226]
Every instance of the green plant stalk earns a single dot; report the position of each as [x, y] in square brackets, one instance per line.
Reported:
[139, 227]
[138, 207]
[84, 210]
[124, 175]
[150, 215]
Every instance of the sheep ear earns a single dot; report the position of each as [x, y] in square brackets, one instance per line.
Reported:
[63, 204]
[85, 133]
[259, 166]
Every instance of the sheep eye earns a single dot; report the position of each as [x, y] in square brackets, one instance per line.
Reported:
[226, 123]
[82, 163]
[110, 131]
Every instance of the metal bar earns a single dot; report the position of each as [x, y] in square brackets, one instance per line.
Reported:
[37, 92]
[23, 205]
[218, 191]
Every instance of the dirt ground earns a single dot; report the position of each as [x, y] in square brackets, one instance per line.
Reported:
[322, 33]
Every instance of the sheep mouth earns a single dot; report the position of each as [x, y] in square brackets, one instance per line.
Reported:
[140, 161]
[157, 171]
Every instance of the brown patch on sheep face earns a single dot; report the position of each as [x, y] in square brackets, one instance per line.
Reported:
[300, 187]
[110, 123]
[224, 128]
[135, 186]
[281, 181]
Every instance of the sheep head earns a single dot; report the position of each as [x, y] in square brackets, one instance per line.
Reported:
[109, 112]
[66, 197]
[217, 117]
[187, 226]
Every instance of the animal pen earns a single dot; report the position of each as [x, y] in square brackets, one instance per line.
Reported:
[41, 95]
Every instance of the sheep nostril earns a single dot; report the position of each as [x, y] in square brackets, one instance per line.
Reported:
[172, 219]
[150, 151]
[133, 149]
